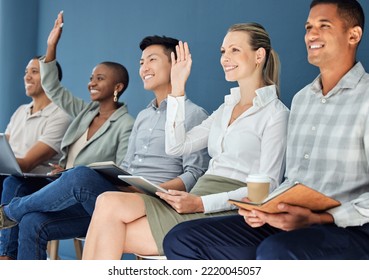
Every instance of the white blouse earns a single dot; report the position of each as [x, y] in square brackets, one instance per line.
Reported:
[75, 148]
[254, 143]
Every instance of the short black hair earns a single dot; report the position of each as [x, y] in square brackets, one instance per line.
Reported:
[168, 43]
[121, 72]
[350, 10]
[60, 71]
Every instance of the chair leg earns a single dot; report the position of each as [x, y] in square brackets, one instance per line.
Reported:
[53, 248]
[78, 247]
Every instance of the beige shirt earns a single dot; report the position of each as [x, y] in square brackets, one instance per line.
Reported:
[26, 129]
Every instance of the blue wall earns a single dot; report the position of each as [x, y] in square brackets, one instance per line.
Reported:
[18, 43]
[97, 30]
[111, 30]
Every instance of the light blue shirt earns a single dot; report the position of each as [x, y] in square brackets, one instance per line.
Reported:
[146, 148]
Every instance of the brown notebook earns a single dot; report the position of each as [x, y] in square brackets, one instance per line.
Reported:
[298, 194]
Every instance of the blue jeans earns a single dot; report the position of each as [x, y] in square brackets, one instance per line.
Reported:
[37, 228]
[231, 238]
[59, 210]
[16, 187]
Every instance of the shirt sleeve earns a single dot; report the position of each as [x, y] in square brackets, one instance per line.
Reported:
[60, 95]
[273, 149]
[125, 133]
[177, 141]
[352, 213]
[131, 148]
[55, 129]
[219, 201]
[195, 163]
[10, 125]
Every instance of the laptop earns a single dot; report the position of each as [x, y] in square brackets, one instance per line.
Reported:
[9, 164]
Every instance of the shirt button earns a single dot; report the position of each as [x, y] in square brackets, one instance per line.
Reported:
[140, 159]
[324, 100]
[158, 112]
[313, 128]
[306, 156]
[150, 129]
[145, 147]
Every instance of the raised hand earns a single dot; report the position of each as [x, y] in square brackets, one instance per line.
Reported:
[53, 39]
[181, 68]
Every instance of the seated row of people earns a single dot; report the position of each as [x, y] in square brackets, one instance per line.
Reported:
[246, 134]
[101, 130]
[327, 149]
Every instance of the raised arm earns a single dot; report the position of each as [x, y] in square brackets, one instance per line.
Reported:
[177, 141]
[181, 68]
[60, 95]
[53, 38]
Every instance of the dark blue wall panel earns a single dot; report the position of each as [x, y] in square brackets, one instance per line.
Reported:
[18, 43]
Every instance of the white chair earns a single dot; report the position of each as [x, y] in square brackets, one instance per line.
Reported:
[142, 257]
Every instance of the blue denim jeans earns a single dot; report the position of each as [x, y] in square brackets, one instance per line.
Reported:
[59, 210]
[232, 239]
[37, 228]
[16, 187]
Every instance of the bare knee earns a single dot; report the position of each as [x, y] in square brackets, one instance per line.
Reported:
[125, 206]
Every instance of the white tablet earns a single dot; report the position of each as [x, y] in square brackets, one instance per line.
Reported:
[142, 183]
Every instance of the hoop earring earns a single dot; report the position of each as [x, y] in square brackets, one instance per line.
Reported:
[115, 96]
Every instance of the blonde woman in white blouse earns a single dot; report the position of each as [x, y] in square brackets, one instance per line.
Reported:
[246, 134]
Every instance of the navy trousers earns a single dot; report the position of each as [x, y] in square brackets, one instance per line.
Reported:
[231, 238]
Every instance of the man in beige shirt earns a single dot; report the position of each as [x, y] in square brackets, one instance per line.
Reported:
[35, 130]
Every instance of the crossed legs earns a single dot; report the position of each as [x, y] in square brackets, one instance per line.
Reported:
[118, 225]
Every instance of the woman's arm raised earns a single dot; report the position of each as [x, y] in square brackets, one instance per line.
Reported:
[53, 39]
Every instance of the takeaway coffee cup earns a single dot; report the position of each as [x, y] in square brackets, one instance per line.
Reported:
[258, 187]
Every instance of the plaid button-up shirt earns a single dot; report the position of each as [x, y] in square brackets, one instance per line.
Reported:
[328, 144]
